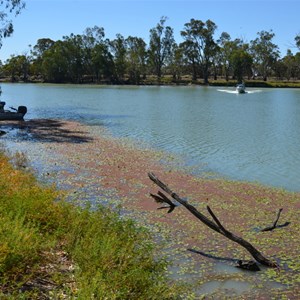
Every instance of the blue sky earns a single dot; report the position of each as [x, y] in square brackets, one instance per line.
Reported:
[240, 18]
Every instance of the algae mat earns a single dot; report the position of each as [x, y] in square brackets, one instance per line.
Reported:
[94, 167]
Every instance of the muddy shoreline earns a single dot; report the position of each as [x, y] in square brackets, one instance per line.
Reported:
[95, 167]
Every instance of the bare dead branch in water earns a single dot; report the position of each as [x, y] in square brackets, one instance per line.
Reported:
[270, 228]
[161, 198]
[214, 225]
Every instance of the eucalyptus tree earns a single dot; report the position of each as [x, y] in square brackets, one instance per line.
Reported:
[74, 53]
[297, 62]
[9, 68]
[290, 64]
[297, 40]
[177, 62]
[17, 68]
[56, 60]
[200, 44]
[226, 48]
[37, 52]
[41, 46]
[280, 69]
[191, 57]
[7, 9]
[136, 58]
[160, 46]
[119, 51]
[288, 67]
[91, 38]
[265, 52]
[55, 64]
[236, 58]
[97, 58]
[102, 62]
[241, 61]
[216, 62]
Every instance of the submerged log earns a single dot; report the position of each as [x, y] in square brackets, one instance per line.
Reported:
[214, 225]
[249, 265]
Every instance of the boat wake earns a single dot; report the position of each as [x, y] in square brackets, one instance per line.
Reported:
[236, 92]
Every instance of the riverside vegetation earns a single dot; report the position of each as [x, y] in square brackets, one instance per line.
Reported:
[51, 249]
[90, 57]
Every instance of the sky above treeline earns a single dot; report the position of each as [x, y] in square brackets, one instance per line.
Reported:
[240, 18]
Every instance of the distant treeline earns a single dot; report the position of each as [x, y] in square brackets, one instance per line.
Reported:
[92, 58]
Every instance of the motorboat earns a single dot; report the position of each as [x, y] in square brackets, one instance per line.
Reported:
[13, 114]
[241, 88]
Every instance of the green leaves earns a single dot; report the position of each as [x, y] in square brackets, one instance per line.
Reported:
[8, 7]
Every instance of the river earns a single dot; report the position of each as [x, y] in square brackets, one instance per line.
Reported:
[252, 136]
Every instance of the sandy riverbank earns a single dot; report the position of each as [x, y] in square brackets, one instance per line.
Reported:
[95, 167]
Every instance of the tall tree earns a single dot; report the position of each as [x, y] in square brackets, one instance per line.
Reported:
[290, 64]
[241, 61]
[161, 46]
[191, 57]
[297, 40]
[226, 47]
[199, 38]
[297, 62]
[102, 62]
[136, 58]
[55, 65]
[8, 8]
[74, 53]
[41, 46]
[118, 49]
[37, 52]
[17, 68]
[92, 38]
[177, 62]
[265, 52]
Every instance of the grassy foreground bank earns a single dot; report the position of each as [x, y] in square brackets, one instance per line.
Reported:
[51, 249]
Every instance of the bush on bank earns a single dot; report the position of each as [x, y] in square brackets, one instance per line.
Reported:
[52, 249]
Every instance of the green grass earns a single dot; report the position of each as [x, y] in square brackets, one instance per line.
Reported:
[77, 253]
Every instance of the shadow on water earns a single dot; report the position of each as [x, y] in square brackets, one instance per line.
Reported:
[42, 130]
[223, 259]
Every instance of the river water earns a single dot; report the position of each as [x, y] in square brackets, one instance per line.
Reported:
[252, 136]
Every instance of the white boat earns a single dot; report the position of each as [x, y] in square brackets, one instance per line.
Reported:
[241, 88]
[16, 114]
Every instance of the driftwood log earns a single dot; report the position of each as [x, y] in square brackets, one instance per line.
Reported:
[214, 225]
[272, 227]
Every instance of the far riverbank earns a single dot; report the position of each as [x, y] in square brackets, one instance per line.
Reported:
[170, 81]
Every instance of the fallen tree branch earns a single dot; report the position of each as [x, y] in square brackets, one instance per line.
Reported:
[217, 221]
[270, 228]
[161, 198]
[214, 225]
